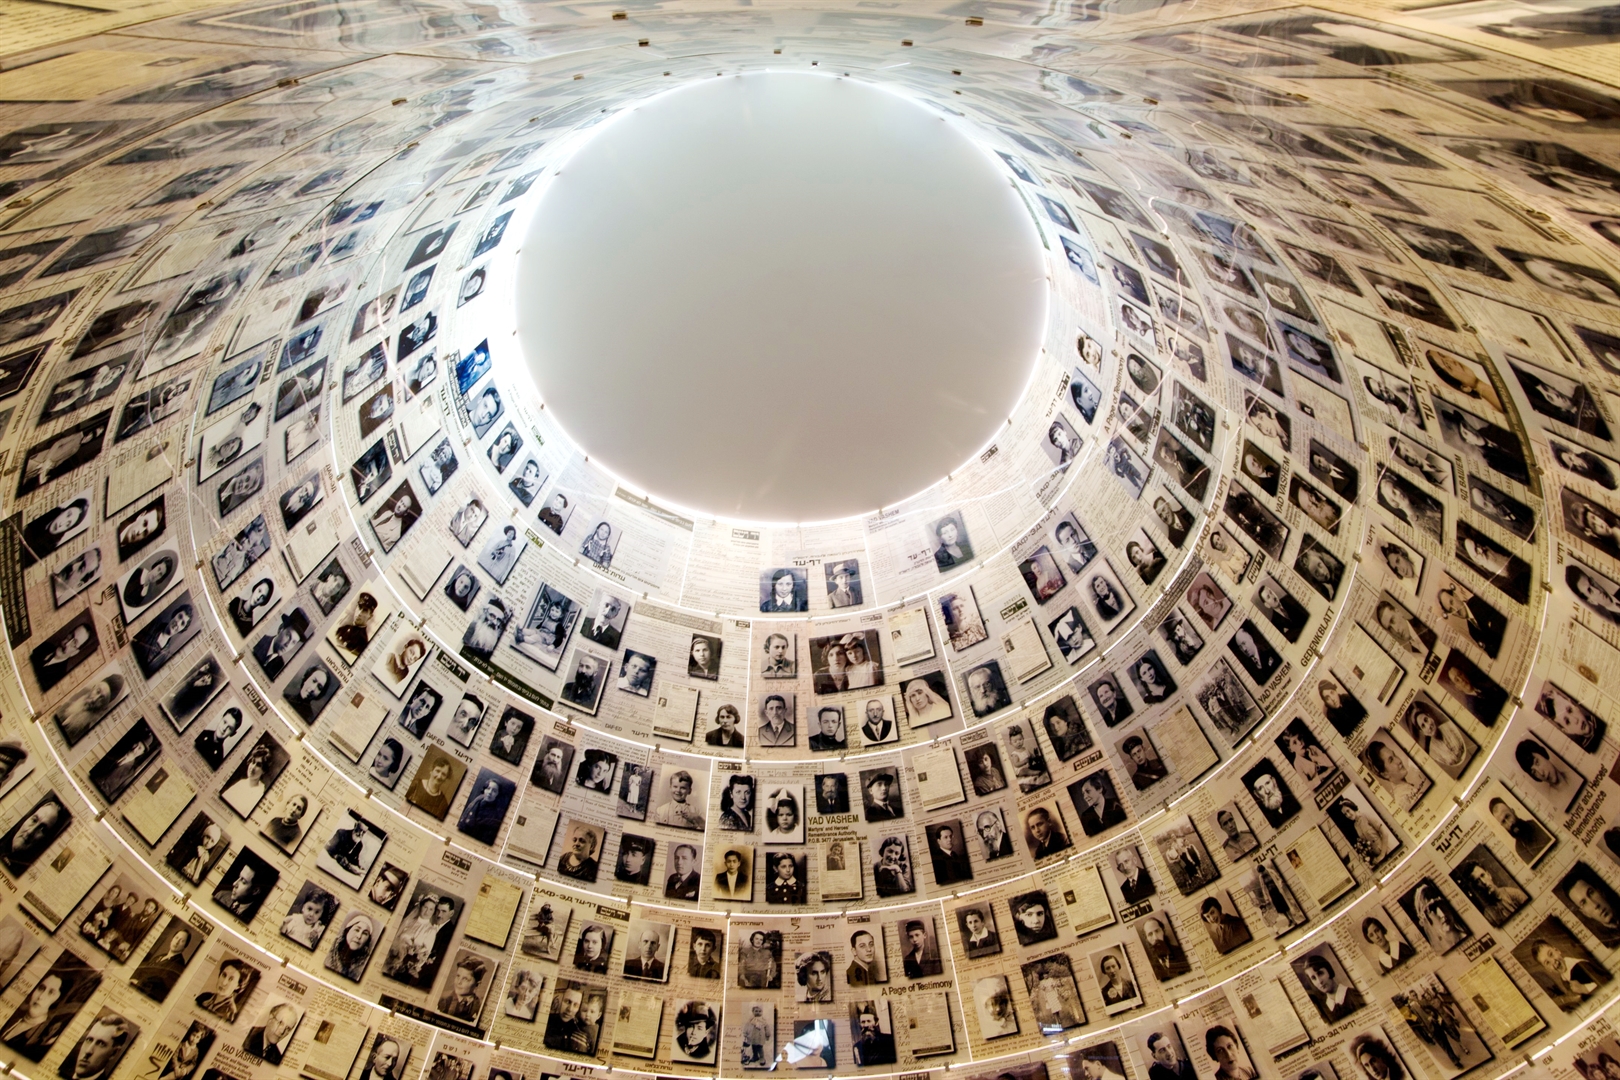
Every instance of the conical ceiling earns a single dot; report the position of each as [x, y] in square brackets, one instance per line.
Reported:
[1233, 705]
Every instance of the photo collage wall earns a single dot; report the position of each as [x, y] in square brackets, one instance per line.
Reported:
[1241, 712]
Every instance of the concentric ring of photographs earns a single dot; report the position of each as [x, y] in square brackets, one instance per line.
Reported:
[1329, 394]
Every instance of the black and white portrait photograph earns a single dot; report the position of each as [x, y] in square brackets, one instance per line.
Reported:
[484, 632]
[197, 850]
[875, 721]
[1326, 982]
[552, 765]
[1509, 573]
[683, 878]
[1565, 713]
[239, 488]
[248, 882]
[1041, 574]
[84, 710]
[585, 679]
[439, 466]
[597, 768]
[827, 729]
[1072, 636]
[1143, 555]
[986, 689]
[505, 447]
[737, 810]
[558, 508]
[733, 868]
[246, 609]
[1183, 851]
[1256, 522]
[1110, 700]
[371, 471]
[501, 553]
[1062, 443]
[991, 826]
[421, 942]
[465, 522]
[1167, 957]
[927, 699]
[1227, 554]
[1482, 441]
[1564, 969]
[285, 639]
[121, 918]
[784, 589]
[1592, 901]
[1232, 830]
[948, 539]
[831, 793]
[1489, 886]
[1578, 461]
[843, 583]
[880, 794]
[395, 516]
[1116, 979]
[1361, 826]
[163, 636]
[1151, 678]
[849, 661]
[993, 1007]
[635, 790]
[1206, 598]
[124, 761]
[1230, 706]
[49, 530]
[463, 587]
[1269, 420]
[1127, 465]
[352, 848]
[1437, 736]
[420, 709]
[1254, 653]
[600, 545]
[400, 662]
[389, 761]
[436, 782]
[976, 924]
[1109, 601]
[1468, 686]
[165, 961]
[964, 626]
[1321, 569]
[1394, 769]
[1097, 803]
[1082, 391]
[1044, 831]
[1142, 761]
[1223, 922]
[947, 849]
[697, 1033]
[605, 619]
[50, 1006]
[634, 864]
[544, 633]
[1260, 467]
[309, 916]
[635, 675]
[1287, 615]
[101, 1048]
